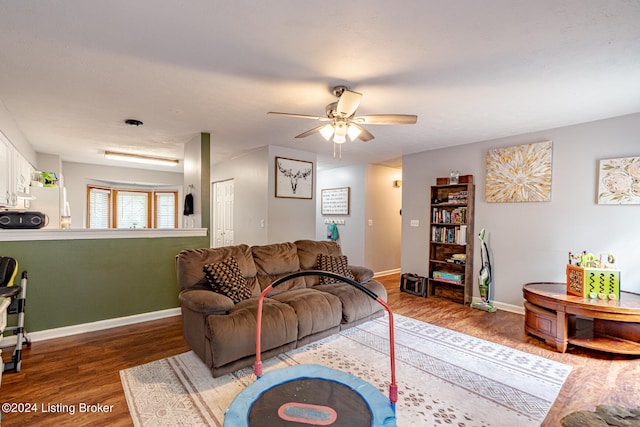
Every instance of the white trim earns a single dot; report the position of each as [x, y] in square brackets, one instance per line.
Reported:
[506, 307]
[111, 233]
[386, 272]
[94, 326]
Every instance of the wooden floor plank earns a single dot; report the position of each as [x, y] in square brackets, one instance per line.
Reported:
[85, 368]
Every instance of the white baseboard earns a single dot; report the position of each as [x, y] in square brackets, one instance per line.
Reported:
[503, 306]
[386, 272]
[93, 326]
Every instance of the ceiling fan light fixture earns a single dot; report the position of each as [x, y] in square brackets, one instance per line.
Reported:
[340, 128]
[339, 139]
[326, 132]
[114, 155]
[353, 132]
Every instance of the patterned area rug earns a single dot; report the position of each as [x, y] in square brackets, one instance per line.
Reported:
[444, 378]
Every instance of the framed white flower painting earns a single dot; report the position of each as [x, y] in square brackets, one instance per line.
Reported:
[619, 181]
[519, 174]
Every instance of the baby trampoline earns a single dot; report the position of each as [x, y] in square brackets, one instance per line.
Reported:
[311, 394]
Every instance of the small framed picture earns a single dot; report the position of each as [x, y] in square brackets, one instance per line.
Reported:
[335, 201]
[294, 178]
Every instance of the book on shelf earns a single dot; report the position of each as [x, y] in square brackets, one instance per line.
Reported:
[458, 197]
[449, 216]
[453, 282]
[457, 235]
[462, 235]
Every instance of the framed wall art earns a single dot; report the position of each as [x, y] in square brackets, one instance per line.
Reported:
[519, 174]
[335, 201]
[619, 181]
[294, 178]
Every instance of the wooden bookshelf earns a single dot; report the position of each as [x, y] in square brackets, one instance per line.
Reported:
[451, 241]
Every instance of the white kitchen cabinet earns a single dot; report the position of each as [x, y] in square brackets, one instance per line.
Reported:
[15, 174]
[5, 172]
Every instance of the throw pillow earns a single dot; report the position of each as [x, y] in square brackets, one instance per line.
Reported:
[334, 264]
[225, 278]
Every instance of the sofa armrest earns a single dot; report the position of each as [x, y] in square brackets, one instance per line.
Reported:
[361, 274]
[205, 302]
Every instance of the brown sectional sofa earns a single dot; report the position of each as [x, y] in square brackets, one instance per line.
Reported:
[297, 312]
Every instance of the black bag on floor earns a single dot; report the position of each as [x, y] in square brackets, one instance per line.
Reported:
[413, 284]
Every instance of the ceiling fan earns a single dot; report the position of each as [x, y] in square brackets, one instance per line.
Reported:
[342, 121]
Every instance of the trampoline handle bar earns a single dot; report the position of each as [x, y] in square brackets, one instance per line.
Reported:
[393, 388]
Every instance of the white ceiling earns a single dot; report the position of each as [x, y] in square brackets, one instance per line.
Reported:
[72, 71]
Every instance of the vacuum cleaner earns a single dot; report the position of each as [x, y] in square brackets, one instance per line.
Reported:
[485, 280]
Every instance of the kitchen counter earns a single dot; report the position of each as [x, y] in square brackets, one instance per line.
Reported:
[84, 234]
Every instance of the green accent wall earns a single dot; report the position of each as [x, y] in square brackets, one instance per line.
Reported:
[72, 282]
[205, 178]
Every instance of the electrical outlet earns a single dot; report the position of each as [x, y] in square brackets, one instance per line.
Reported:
[415, 223]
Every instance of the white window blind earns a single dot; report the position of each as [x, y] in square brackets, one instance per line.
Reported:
[99, 201]
[109, 207]
[133, 208]
[165, 210]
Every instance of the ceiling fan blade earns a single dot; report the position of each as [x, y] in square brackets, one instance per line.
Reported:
[310, 132]
[300, 116]
[365, 135]
[348, 103]
[387, 119]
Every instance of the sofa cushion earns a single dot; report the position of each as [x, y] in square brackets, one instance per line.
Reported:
[333, 264]
[225, 278]
[274, 261]
[205, 302]
[233, 336]
[317, 311]
[277, 258]
[308, 251]
[356, 304]
[189, 263]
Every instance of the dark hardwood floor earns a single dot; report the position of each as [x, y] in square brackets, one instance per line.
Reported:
[84, 369]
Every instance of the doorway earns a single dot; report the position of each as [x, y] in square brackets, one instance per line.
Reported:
[222, 210]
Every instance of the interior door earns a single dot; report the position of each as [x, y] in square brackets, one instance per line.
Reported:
[222, 208]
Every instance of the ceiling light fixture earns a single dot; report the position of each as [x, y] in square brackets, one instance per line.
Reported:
[339, 130]
[113, 155]
[326, 131]
[133, 123]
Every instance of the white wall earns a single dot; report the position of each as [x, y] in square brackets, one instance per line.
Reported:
[78, 175]
[373, 197]
[530, 241]
[191, 177]
[383, 223]
[250, 175]
[351, 234]
[290, 219]
[255, 203]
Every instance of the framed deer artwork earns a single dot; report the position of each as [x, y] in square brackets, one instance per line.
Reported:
[294, 178]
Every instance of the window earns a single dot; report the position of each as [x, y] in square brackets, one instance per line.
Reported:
[166, 209]
[127, 208]
[99, 207]
[132, 209]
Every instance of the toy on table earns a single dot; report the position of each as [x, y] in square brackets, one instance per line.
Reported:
[593, 277]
